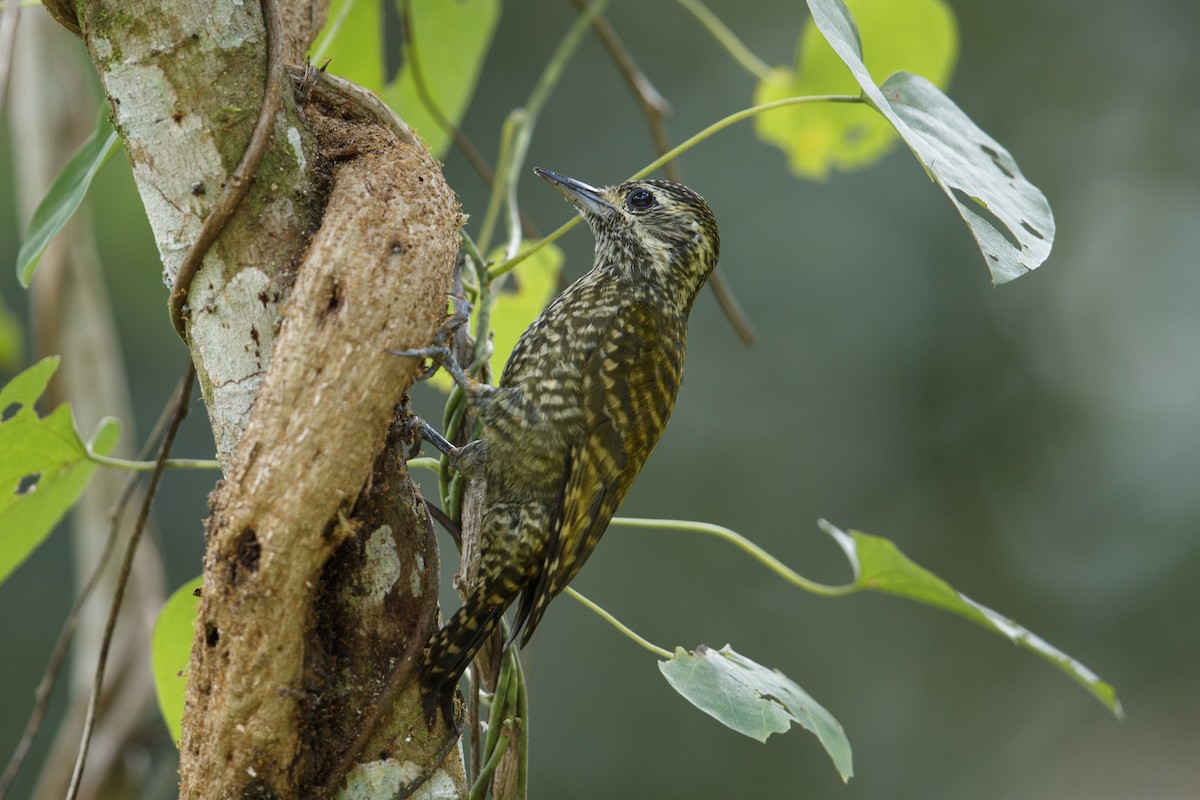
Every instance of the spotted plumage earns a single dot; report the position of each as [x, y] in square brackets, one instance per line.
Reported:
[583, 400]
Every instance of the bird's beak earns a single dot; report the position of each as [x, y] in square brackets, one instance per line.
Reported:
[586, 198]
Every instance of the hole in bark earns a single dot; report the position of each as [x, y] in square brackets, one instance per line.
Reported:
[334, 303]
[248, 550]
[397, 248]
[211, 634]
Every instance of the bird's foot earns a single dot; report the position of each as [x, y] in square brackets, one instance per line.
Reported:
[440, 353]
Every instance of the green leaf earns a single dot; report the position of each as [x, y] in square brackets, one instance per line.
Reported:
[170, 649]
[536, 280]
[880, 566]
[1008, 216]
[451, 40]
[915, 35]
[752, 699]
[43, 464]
[65, 195]
[353, 42]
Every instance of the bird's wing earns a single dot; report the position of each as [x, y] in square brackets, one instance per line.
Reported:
[629, 383]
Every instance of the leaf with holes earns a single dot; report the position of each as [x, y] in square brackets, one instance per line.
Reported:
[916, 35]
[535, 279]
[1008, 216]
[44, 464]
[451, 41]
[880, 566]
[169, 652]
[65, 194]
[752, 699]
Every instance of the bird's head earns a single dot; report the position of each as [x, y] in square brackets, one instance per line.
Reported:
[657, 228]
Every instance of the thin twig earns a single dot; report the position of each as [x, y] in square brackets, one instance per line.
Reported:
[239, 182]
[479, 789]
[731, 308]
[149, 466]
[753, 550]
[45, 687]
[451, 527]
[89, 724]
[655, 109]
[522, 722]
[475, 678]
[621, 626]
[460, 140]
[412, 59]
[728, 39]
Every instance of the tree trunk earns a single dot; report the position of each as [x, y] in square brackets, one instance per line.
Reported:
[320, 568]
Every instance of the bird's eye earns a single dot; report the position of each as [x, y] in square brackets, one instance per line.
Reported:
[641, 200]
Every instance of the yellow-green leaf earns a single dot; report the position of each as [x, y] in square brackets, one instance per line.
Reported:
[918, 36]
[169, 651]
[451, 40]
[518, 306]
[352, 42]
[44, 464]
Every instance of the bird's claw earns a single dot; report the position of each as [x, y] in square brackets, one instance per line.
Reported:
[438, 355]
[451, 324]
[439, 352]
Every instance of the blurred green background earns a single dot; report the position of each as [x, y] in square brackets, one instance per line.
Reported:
[1034, 444]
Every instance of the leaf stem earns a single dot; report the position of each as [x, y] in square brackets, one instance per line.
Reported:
[150, 466]
[728, 39]
[479, 790]
[733, 537]
[533, 109]
[425, 462]
[496, 270]
[616, 623]
[738, 116]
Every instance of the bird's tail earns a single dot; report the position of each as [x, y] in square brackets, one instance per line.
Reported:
[454, 647]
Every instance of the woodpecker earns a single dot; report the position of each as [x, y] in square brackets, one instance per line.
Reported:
[582, 401]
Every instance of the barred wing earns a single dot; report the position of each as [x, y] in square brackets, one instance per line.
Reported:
[629, 383]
